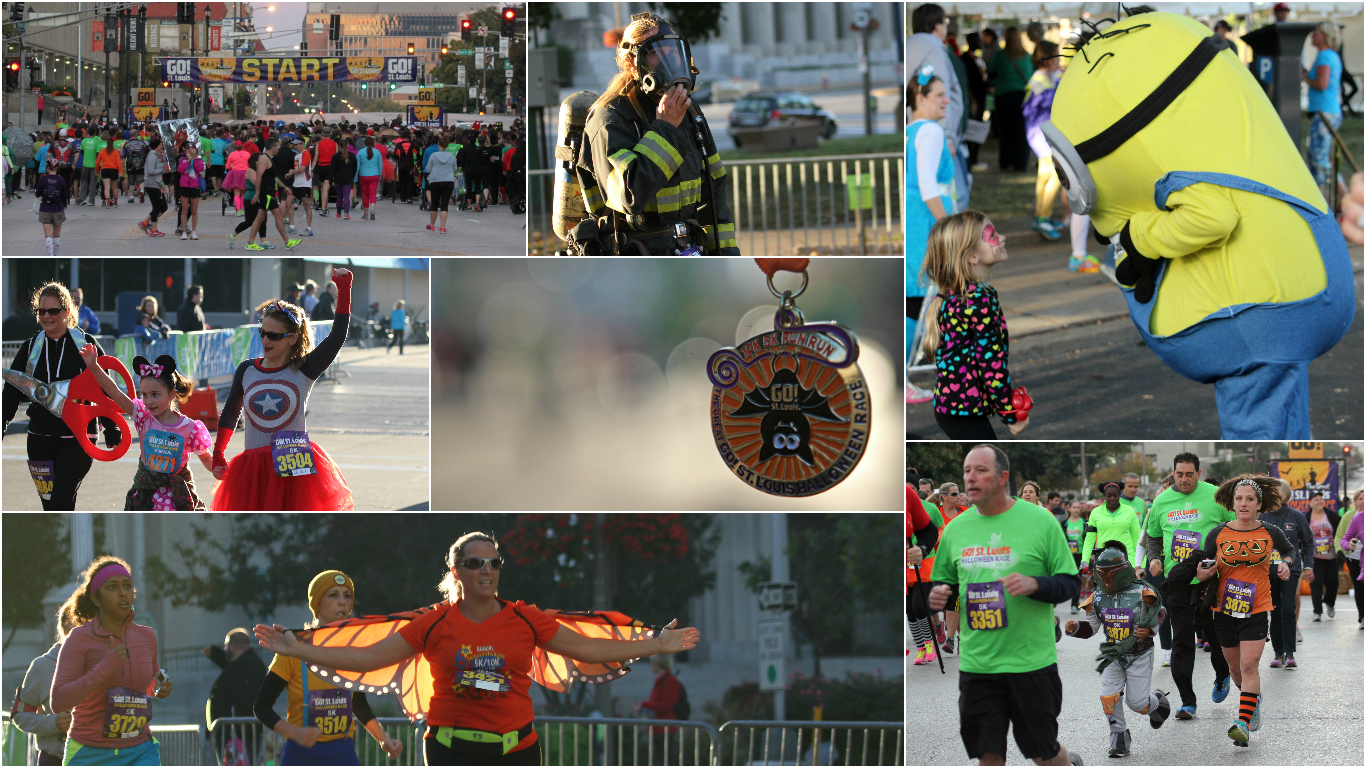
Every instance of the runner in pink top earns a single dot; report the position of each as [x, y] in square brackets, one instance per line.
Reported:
[107, 671]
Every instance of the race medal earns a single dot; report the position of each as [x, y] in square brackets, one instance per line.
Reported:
[1118, 623]
[43, 475]
[985, 604]
[329, 710]
[483, 680]
[292, 454]
[790, 410]
[126, 713]
[1237, 599]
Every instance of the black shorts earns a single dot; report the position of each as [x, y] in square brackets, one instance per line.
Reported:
[271, 202]
[989, 704]
[109, 173]
[217, 172]
[189, 193]
[1231, 631]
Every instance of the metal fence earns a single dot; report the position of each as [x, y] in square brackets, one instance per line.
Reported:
[247, 739]
[765, 742]
[830, 205]
[625, 741]
[179, 744]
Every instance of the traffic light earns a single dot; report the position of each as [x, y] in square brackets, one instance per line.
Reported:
[393, 86]
[444, 49]
[303, 48]
[364, 86]
[466, 27]
[184, 13]
[411, 49]
[12, 76]
[509, 22]
[16, 12]
[335, 32]
[1346, 450]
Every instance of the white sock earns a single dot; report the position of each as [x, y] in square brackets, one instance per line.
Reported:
[48, 242]
[1081, 229]
[56, 244]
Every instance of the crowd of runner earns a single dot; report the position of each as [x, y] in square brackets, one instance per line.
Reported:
[271, 172]
[1205, 564]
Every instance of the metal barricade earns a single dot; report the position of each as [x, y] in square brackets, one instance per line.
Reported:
[833, 742]
[625, 741]
[246, 738]
[180, 744]
[827, 205]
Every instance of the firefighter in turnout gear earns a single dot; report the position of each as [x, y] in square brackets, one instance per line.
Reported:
[652, 180]
[1125, 610]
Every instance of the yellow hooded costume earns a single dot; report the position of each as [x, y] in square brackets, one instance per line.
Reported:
[1233, 270]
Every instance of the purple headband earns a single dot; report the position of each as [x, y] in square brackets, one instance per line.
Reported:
[106, 573]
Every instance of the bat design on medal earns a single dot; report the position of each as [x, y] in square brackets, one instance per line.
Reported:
[787, 409]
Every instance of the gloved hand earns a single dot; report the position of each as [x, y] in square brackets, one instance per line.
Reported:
[113, 436]
[343, 278]
[220, 445]
[1133, 268]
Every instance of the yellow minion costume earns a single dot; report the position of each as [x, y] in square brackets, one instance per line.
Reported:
[1233, 270]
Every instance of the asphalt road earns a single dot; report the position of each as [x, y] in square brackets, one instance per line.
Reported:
[1311, 715]
[1073, 346]
[847, 105]
[374, 423]
[398, 230]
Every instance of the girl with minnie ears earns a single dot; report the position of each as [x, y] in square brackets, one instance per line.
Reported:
[163, 481]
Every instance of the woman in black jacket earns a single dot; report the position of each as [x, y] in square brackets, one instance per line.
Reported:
[56, 459]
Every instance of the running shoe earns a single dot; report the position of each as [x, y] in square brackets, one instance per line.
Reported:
[156, 233]
[292, 244]
[142, 225]
[1073, 758]
[1331, 613]
[1221, 689]
[240, 212]
[948, 649]
[184, 235]
[915, 394]
[429, 226]
[290, 229]
[347, 217]
[1057, 630]
[116, 202]
[939, 634]
[1317, 618]
[1167, 658]
[267, 245]
[1058, 223]
[1119, 744]
[323, 213]
[308, 232]
[1256, 723]
[372, 215]
[443, 230]
[1186, 712]
[232, 238]
[919, 656]
[131, 200]
[194, 235]
[1290, 661]
[929, 655]
[1298, 637]
[1075, 610]
[1277, 662]
[254, 247]
[1239, 733]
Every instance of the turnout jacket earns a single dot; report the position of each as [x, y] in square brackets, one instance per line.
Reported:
[651, 173]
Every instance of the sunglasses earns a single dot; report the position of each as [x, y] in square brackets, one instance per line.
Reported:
[51, 311]
[478, 563]
[273, 336]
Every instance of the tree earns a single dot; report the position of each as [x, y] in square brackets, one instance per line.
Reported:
[843, 566]
[942, 462]
[696, 22]
[37, 554]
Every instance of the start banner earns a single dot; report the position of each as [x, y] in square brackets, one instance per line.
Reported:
[426, 117]
[297, 69]
[1307, 478]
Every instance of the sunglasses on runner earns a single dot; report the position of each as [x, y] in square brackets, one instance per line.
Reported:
[478, 563]
[51, 311]
[273, 336]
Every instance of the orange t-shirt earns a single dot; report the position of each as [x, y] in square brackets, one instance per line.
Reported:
[481, 671]
[1244, 561]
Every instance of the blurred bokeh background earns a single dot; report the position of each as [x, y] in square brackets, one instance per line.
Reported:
[581, 384]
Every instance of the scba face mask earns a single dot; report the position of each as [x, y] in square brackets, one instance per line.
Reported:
[663, 59]
[1071, 161]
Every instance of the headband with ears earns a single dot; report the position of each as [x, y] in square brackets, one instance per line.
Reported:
[162, 368]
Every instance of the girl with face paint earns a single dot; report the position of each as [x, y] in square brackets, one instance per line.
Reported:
[966, 332]
[930, 193]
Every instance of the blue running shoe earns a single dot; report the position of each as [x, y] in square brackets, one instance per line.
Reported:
[1221, 689]
[1256, 723]
[1239, 733]
[1045, 228]
[1186, 712]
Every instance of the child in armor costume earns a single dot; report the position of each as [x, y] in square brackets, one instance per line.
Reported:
[1126, 610]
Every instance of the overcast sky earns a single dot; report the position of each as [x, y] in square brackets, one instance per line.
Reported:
[286, 16]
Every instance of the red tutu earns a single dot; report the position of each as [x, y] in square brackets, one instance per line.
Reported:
[251, 485]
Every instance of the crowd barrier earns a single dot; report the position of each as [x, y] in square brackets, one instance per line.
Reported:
[204, 355]
[564, 741]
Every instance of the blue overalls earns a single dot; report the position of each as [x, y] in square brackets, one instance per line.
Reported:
[1258, 355]
[919, 219]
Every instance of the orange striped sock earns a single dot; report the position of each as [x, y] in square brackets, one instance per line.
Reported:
[1247, 702]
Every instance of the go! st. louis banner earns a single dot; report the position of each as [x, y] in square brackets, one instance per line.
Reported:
[296, 69]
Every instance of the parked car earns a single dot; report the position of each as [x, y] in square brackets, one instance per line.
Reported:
[703, 93]
[757, 110]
